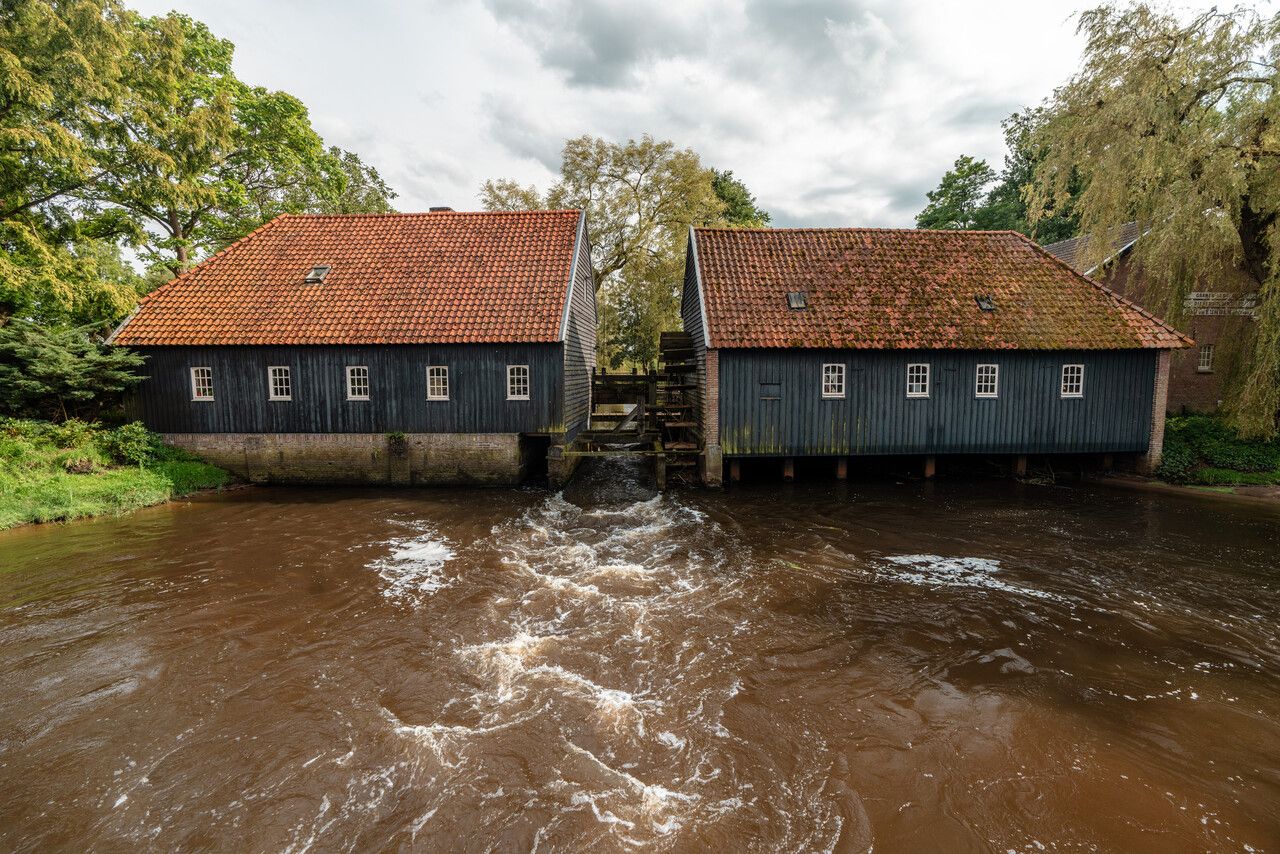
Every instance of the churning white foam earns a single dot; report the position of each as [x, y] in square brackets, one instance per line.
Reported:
[977, 572]
[415, 567]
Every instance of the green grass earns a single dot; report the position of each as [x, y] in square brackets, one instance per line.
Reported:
[1202, 450]
[51, 472]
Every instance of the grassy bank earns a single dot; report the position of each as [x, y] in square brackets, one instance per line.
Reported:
[50, 471]
[1201, 450]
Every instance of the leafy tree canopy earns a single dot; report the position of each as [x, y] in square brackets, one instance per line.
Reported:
[741, 208]
[1175, 122]
[640, 196]
[959, 197]
[972, 195]
[117, 128]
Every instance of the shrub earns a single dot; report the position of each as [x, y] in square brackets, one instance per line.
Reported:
[187, 475]
[131, 443]
[1177, 462]
[1202, 449]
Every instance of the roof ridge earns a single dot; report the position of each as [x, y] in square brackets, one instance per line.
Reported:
[435, 214]
[223, 251]
[1106, 290]
[831, 228]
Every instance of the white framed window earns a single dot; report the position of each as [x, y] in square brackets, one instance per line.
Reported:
[357, 382]
[202, 383]
[279, 383]
[438, 382]
[1204, 363]
[918, 379]
[1073, 380]
[987, 382]
[517, 382]
[833, 380]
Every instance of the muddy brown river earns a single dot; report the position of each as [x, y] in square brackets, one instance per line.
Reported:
[954, 666]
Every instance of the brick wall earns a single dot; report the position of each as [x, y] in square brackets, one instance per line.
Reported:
[1149, 461]
[427, 459]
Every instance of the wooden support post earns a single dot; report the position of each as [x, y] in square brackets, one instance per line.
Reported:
[660, 465]
[1020, 465]
[842, 468]
[788, 469]
[930, 466]
[735, 470]
[1108, 462]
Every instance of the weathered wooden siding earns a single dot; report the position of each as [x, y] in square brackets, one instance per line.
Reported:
[876, 416]
[398, 390]
[691, 315]
[579, 340]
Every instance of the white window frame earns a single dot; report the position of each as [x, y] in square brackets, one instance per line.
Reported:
[994, 390]
[910, 382]
[351, 369]
[273, 374]
[437, 375]
[514, 374]
[833, 379]
[1074, 371]
[196, 385]
[1204, 359]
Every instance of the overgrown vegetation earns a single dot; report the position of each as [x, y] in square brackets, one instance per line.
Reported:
[51, 471]
[640, 196]
[1199, 449]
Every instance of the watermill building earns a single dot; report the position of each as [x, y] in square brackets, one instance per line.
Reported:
[434, 348]
[841, 342]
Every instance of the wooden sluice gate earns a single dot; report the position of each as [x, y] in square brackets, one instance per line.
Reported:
[650, 414]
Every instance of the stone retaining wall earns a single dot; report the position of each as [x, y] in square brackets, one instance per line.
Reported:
[426, 459]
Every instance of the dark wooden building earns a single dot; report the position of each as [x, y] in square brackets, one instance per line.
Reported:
[443, 347]
[1217, 314]
[847, 342]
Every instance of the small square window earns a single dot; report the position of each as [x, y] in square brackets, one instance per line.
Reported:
[918, 380]
[797, 300]
[1073, 380]
[438, 382]
[988, 381]
[1205, 363]
[279, 385]
[833, 380]
[202, 383]
[517, 382]
[317, 274]
[357, 382]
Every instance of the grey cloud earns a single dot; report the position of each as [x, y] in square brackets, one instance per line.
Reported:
[598, 43]
[513, 129]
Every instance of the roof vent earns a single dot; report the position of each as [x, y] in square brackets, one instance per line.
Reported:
[797, 300]
[986, 303]
[317, 274]
[441, 209]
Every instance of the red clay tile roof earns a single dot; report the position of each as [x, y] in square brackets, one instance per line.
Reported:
[440, 277]
[908, 288]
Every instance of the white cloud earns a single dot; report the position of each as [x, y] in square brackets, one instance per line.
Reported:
[835, 112]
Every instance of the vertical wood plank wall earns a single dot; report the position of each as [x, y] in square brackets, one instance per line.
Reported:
[876, 416]
[398, 390]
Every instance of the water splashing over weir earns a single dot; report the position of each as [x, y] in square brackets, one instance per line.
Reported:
[590, 654]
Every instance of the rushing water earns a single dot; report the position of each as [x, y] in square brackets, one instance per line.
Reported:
[914, 667]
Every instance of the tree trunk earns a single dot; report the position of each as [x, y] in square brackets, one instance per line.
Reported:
[175, 229]
[1253, 239]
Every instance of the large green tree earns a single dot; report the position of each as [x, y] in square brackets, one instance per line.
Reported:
[740, 207]
[959, 197]
[1175, 122]
[972, 195]
[63, 67]
[640, 196]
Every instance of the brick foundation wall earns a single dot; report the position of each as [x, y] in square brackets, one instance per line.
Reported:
[426, 459]
[712, 461]
[1148, 462]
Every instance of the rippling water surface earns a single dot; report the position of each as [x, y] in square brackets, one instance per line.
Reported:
[951, 666]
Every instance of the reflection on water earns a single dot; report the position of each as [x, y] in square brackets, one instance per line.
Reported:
[945, 666]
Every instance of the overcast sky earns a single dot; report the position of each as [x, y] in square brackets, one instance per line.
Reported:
[834, 112]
